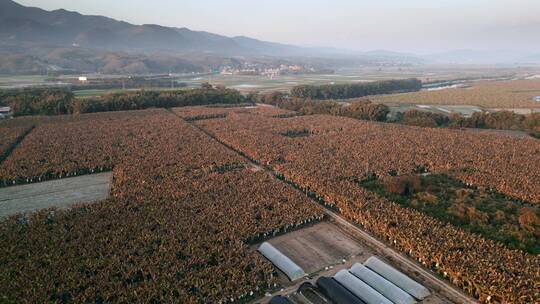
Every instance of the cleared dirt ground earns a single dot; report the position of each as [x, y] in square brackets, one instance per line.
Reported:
[330, 246]
[60, 193]
[318, 246]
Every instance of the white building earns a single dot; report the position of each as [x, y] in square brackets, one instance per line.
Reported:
[5, 112]
[536, 98]
[83, 79]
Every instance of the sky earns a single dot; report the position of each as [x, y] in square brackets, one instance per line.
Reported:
[418, 26]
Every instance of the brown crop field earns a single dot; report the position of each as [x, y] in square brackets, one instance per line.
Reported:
[10, 136]
[185, 207]
[488, 94]
[336, 154]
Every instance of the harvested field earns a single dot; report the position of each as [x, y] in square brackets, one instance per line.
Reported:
[58, 194]
[488, 94]
[316, 247]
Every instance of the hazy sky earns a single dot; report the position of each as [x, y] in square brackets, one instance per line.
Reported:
[401, 25]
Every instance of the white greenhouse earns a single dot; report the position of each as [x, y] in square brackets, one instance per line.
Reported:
[282, 262]
[399, 279]
[380, 284]
[359, 288]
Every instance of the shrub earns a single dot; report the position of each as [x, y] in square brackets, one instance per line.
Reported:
[424, 119]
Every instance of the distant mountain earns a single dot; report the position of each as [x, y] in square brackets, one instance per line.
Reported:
[271, 48]
[33, 40]
[20, 24]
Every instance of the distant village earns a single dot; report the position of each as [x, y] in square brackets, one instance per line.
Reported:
[260, 69]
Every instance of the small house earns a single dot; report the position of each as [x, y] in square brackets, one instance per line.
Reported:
[5, 113]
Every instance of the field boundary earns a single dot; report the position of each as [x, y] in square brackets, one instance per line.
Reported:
[61, 194]
[52, 176]
[19, 139]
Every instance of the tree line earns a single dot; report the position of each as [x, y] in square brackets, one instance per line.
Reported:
[354, 90]
[500, 120]
[367, 110]
[63, 101]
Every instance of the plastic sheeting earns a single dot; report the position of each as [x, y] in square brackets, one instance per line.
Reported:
[293, 271]
[397, 278]
[380, 284]
[359, 288]
[331, 289]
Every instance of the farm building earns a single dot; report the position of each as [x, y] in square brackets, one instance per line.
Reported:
[5, 113]
[380, 284]
[397, 278]
[373, 282]
[331, 289]
[281, 261]
[359, 288]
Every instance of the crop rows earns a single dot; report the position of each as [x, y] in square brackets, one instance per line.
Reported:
[339, 152]
[499, 94]
[71, 145]
[10, 137]
[175, 228]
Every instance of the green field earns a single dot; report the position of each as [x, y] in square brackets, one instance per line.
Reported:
[477, 210]
[285, 82]
[97, 93]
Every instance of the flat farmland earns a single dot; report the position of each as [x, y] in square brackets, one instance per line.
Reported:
[489, 94]
[338, 155]
[182, 208]
[316, 247]
[194, 189]
[61, 193]
[249, 83]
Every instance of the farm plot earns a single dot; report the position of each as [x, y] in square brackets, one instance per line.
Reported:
[492, 94]
[314, 248]
[10, 137]
[66, 146]
[183, 208]
[58, 194]
[339, 153]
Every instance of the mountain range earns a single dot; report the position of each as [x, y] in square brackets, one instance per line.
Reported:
[33, 40]
[62, 28]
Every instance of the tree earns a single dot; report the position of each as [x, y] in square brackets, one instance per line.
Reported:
[366, 110]
[206, 85]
